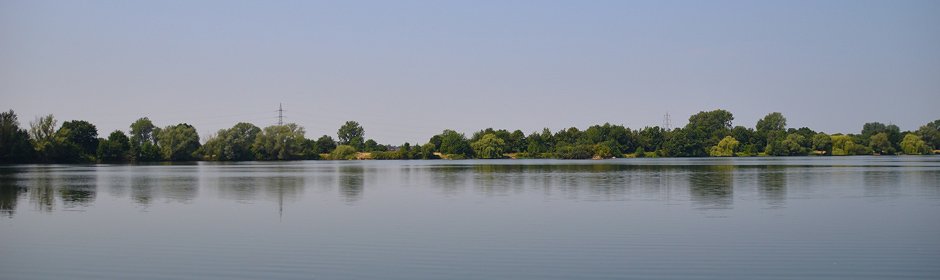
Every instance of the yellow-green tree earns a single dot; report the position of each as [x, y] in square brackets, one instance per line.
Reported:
[881, 144]
[343, 152]
[844, 145]
[913, 145]
[725, 147]
[489, 146]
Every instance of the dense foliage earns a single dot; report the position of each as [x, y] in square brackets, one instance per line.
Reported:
[708, 133]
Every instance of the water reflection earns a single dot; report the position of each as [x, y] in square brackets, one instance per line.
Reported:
[450, 180]
[712, 186]
[351, 181]
[9, 192]
[881, 183]
[42, 193]
[78, 189]
[772, 184]
[241, 187]
[493, 180]
[572, 181]
[142, 186]
[182, 188]
[288, 186]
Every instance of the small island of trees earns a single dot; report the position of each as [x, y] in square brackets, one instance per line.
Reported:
[708, 133]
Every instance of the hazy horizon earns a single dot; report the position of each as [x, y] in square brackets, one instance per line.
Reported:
[407, 70]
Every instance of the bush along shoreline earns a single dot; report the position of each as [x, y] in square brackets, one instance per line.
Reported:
[708, 134]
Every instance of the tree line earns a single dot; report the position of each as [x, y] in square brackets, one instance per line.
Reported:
[708, 133]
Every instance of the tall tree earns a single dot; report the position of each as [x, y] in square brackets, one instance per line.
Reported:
[143, 141]
[115, 148]
[370, 146]
[178, 142]
[325, 144]
[822, 142]
[930, 134]
[280, 142]
[881, 144]
[764, 132]
[351, 133]
[516, 142]
[82, 134]
[233, 144]
[771, 122]
[14, 141]
[795, 145]
[705, 129]
[892, 132]
[455, 143]
[42, 134]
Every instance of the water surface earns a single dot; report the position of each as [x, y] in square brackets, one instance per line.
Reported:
[751, 218]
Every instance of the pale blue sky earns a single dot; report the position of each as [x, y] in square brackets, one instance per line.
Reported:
[408, 69]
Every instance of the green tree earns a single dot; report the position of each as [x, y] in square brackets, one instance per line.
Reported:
[83, 135]
[930, 133]
[725, 148]
[607, 149]
[913, 145]
[280, 142]
[310, 150]
[42, 133]
[651, 138]
[881, 144]
[771, 122]
[114, 149]
[892, 132]
[535, 144]
[325, 144]
[678, 144]
[489, 146]
[143, 141]
[370, 146]
[705, 129]
[794, 145]
[351, 133]
[771, 127]
[233, 144]
[14, 141]
[640, 152]
[427, 151]
[583, 151]
[517, 142]
[822, 142]
[343, 152]
[775, 146]
[178, 142]
[454, 143]
[744, 135]
[568, 136]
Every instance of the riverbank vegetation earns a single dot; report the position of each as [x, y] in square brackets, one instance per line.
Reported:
[708, 133]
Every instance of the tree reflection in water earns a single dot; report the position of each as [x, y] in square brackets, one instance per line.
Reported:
[78, 190]
[42, 193]
[351, 181]
[772, 184]
[450, 179]
[711, 186]
[9, 191]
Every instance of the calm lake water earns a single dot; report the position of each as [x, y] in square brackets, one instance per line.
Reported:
[752, 218]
